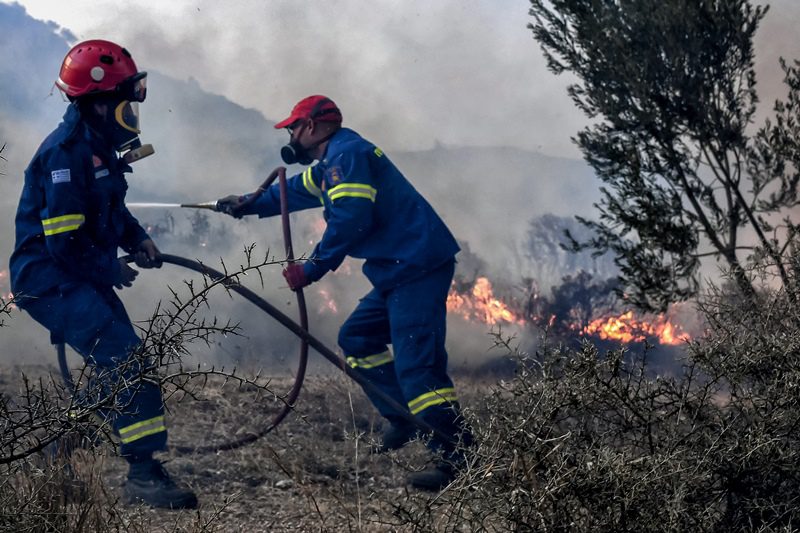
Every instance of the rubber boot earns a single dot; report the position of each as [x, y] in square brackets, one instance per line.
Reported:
[148, 482]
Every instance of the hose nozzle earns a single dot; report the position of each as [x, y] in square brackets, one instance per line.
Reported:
[213, 206]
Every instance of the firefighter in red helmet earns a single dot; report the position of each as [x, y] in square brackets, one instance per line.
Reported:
[70, 223]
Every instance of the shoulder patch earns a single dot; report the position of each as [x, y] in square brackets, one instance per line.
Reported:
[61, 175]
[334, 175]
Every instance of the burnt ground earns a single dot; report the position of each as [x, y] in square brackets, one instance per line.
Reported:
[314, 472]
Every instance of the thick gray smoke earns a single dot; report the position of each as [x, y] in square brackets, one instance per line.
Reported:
[455, 92]
[207, 147]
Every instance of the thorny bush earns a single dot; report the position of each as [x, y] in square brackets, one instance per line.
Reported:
[38, 487]
[578, 440]
[588, 441]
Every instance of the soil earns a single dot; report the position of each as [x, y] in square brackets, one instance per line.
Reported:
[314, 472]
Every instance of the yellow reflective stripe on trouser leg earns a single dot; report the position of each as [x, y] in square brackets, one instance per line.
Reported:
[371, 361]
[436, 397]
[355, 190]
[142, 429]
[61, 224]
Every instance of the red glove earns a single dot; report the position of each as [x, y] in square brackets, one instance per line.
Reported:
[295, 276]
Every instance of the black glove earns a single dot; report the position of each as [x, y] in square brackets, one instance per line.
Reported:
[126, 275]
[148, 256]
[232, 205]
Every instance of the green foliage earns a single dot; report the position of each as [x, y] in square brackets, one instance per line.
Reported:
[670, 87]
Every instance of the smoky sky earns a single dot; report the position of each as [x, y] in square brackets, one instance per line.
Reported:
[463, 72]
[208, 146]
[412, 73]
[455, 91]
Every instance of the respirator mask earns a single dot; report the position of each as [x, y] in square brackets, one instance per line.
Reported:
[124, 132]
[121, 124]
[126, 125]
[295, 153]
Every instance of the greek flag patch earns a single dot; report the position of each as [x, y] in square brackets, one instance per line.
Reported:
[61, 176]
[99, 170]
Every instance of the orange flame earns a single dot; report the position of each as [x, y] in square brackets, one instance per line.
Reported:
[318, 228]
[481, 305]
[626, 328]
[328, 303]
[5, 290]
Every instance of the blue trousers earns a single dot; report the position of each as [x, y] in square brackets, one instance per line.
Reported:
[93, 321]
[413, 319]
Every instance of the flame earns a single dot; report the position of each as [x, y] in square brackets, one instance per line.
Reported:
[318, 228]
[478, 304]
[5, 291]
[481, 305]
[626, 328]
[328, 303]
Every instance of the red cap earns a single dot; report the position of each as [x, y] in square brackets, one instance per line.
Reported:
[318, 107]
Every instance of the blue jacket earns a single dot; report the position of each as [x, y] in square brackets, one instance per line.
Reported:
[372, 213]
[72, 217]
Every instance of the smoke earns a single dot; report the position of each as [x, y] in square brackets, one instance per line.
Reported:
[456, 93]
[208, 146]
[406, 74]
[774, 40]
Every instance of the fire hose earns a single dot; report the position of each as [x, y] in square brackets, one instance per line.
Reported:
[300, 330]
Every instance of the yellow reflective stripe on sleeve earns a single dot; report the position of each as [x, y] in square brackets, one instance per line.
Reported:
[55, 225]
[378, 152]
[142, 429]
[309, 184]
[357, 190]
[436, 397]
[370, 361]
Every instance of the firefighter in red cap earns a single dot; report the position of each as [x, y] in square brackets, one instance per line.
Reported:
[374, 213]
[70, 222]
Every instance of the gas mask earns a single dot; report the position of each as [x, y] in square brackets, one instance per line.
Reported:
[124, 132]
[295, 153]
[120, 124]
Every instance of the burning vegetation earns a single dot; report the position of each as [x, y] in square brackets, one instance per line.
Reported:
[580, 306]
[6, 297]
[480, 305]
[477, 302]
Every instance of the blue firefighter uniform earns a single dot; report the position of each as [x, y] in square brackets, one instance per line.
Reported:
[374, 213]
[70, 222]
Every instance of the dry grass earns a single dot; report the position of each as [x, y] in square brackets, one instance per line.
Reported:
[576, 440]
[314, 472]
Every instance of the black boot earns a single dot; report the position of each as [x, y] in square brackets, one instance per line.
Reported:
[148, 482]
[398, 435]
[435, 477]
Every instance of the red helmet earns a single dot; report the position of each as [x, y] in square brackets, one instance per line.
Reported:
[100, 66]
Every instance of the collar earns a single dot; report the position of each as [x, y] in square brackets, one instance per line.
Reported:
[335, 143]
[73, 122]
